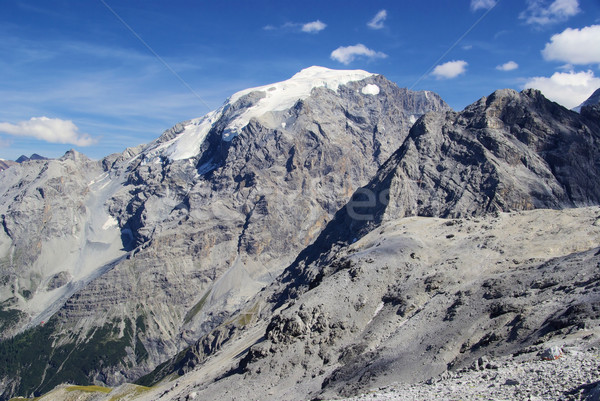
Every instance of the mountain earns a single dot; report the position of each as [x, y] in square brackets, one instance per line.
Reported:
[34, 156]
[313, 239]
[594, 99]
[126, 261]
[4, 164]
[483, 247]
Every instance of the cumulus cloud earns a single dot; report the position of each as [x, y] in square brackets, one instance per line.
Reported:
[485, 4]
[378, 19]
[313, 27]
[347, 54]
[543, 12]
[52, 130]
[508, 66]
[451, 69]
[567, 88]
[575, 46]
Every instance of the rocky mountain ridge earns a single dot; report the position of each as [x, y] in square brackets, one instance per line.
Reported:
[167, 240]
[382, 297]
[408, 255]
[594, 99]
[4, 164]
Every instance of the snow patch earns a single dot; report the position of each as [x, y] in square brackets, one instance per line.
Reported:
[370, 89]
[110, 222]
[283, 95]
[207, 167]
[379, 308]
[187, 144]
[412, 119]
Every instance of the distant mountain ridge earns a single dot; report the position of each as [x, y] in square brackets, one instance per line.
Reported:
[34, 156]
[4, 164]
[594, 99]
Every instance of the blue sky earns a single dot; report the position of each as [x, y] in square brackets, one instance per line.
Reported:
[74, 74]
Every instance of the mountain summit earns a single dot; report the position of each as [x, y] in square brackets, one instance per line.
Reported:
[162, 243]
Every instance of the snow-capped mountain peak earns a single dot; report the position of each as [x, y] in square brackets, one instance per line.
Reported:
[274, 97]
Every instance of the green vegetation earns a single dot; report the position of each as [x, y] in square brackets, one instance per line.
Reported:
[38, 366]
[89, 389]
[25, 357]
[164, 371]
[131, 394]
[9, 318]
[141, 353]
[140, 323]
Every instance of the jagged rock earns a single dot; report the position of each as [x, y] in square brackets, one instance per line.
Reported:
[552, 353]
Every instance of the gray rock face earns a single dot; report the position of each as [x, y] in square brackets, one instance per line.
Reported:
[167, 240]
[413, 302]
[509, 151]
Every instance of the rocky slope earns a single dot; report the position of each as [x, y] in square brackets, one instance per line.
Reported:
[477, 240]
[415, 305]
[144, 252]
[383, 297]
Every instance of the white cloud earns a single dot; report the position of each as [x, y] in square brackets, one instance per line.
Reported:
[52, 130]
[313, 27]
[486, 4]
[508, 66]
[451, 69]
[542, 12]
[567, 88]
[575, 46]
[377, 21]
[347, 54]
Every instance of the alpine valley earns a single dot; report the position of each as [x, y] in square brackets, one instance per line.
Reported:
[316, 238]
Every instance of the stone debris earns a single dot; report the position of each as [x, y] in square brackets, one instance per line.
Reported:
[575, 376]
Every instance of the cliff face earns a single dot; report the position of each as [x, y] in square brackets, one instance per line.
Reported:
[507, 152]
[150, 249]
